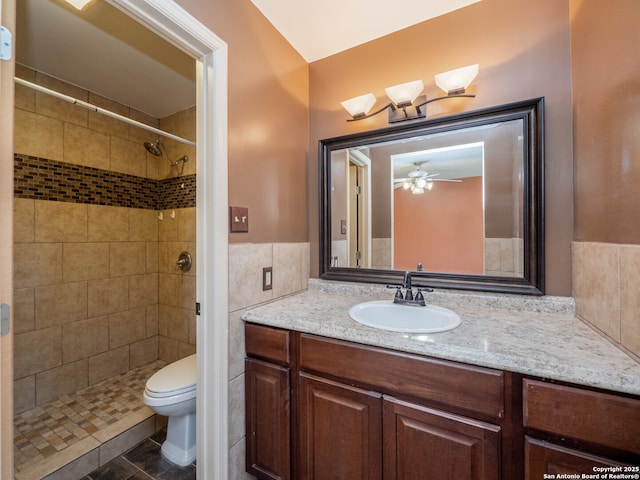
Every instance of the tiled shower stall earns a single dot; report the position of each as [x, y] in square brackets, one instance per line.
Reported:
[99, 224]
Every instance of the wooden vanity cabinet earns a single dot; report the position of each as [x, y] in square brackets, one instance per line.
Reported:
[367, 413]
[571, 430]
[268, 402]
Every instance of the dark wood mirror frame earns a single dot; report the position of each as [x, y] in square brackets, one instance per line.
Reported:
[531, 112]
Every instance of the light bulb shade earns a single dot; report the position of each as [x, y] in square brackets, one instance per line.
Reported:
[417, 191]
[405, 93]
[359, 106]
[429, 185]
[79, 4]
[456, 81]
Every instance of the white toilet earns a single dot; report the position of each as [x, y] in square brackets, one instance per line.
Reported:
[171, 392]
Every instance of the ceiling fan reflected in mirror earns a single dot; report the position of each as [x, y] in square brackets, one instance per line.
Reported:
[419, 180]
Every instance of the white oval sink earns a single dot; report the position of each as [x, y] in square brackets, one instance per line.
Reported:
[386, 315]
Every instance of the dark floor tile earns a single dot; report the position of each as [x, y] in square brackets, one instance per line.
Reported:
[140, 476]
[178, 473]
[147, 457]
[160, 436]
[116, 469]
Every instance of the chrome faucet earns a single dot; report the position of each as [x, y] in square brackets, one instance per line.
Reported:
[408, 298]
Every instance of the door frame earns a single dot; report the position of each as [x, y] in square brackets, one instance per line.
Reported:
[177, 26]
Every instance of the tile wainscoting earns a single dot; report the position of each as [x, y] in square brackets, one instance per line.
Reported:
[290, 263]
[606, 287]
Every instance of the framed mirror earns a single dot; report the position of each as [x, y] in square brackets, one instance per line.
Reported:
[456, 200]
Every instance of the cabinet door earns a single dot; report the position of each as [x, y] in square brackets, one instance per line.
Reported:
[267, 394]
[340, 431]
[425, 444]
[546, 458]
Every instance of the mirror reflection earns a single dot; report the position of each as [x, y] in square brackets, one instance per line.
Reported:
[456, 199]
[448, 202]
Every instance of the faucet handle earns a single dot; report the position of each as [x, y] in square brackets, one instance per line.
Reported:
[398, 295]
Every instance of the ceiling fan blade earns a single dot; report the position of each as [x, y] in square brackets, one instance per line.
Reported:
[444, 180]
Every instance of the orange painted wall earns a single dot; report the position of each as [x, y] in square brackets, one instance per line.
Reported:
[268, 121]
[442, 228]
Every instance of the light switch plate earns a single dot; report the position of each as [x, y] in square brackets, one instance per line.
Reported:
[239, 219]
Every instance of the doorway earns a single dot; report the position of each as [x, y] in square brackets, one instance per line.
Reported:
[176, 25]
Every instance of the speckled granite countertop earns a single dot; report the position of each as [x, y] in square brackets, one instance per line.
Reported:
[528, 335]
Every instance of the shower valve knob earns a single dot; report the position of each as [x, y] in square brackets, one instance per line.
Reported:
[184, 262]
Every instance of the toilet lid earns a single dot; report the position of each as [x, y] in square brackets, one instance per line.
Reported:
[177, 376]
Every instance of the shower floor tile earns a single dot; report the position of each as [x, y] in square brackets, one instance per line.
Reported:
[51, 432]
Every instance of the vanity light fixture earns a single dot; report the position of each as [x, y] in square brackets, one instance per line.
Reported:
[79, 4]
[407, 103]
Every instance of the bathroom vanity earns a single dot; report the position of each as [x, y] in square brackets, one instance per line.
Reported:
[329, 398]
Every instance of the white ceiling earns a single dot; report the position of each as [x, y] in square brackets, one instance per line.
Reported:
[320, 28]
[102, 50]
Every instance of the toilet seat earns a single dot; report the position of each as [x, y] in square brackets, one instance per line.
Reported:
[176, 379]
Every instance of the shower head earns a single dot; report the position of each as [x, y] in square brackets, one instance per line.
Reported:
[154, 148]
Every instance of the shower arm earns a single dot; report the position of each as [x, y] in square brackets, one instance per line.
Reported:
[173, 163]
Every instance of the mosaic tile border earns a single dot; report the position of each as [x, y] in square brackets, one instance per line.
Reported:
[43, 179]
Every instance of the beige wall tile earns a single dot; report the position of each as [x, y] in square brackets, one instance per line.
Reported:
[152, 312]
[85, 261]
[60, 303]
[25, 97]
[236, 344]
[60, 222]
[600, 284]
[105, 124]
[23, 220]
[577, 272]
[237, 462]
[306, 265]
[167, 228]
[23, 310]
[630, 297]
[236, 409]
[506, 255]
[173, 322]
[186, 224]
[168, 349]
[137, 134]
[56, 108]
[193, 327]
[85, 338]
[37, 264]
[144, 351]
[83, 146]
[128, 157]
[108, 296]
[143, 225]
[127, 327]
[24, 394]
[63, 380]
[185, 349]
[107, 224]
[127, 258]
[37, 351]
[152, 257]
[287, 268]
[143, 290]
[245, 274]
[38, 135]
[108, 364]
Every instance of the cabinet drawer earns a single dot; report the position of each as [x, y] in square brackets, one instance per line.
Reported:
[602, 418]
[473, 389]
[267, 343]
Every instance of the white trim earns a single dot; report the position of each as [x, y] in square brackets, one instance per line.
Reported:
[177, 26]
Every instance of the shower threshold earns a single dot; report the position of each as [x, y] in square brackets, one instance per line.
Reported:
[76, 434]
